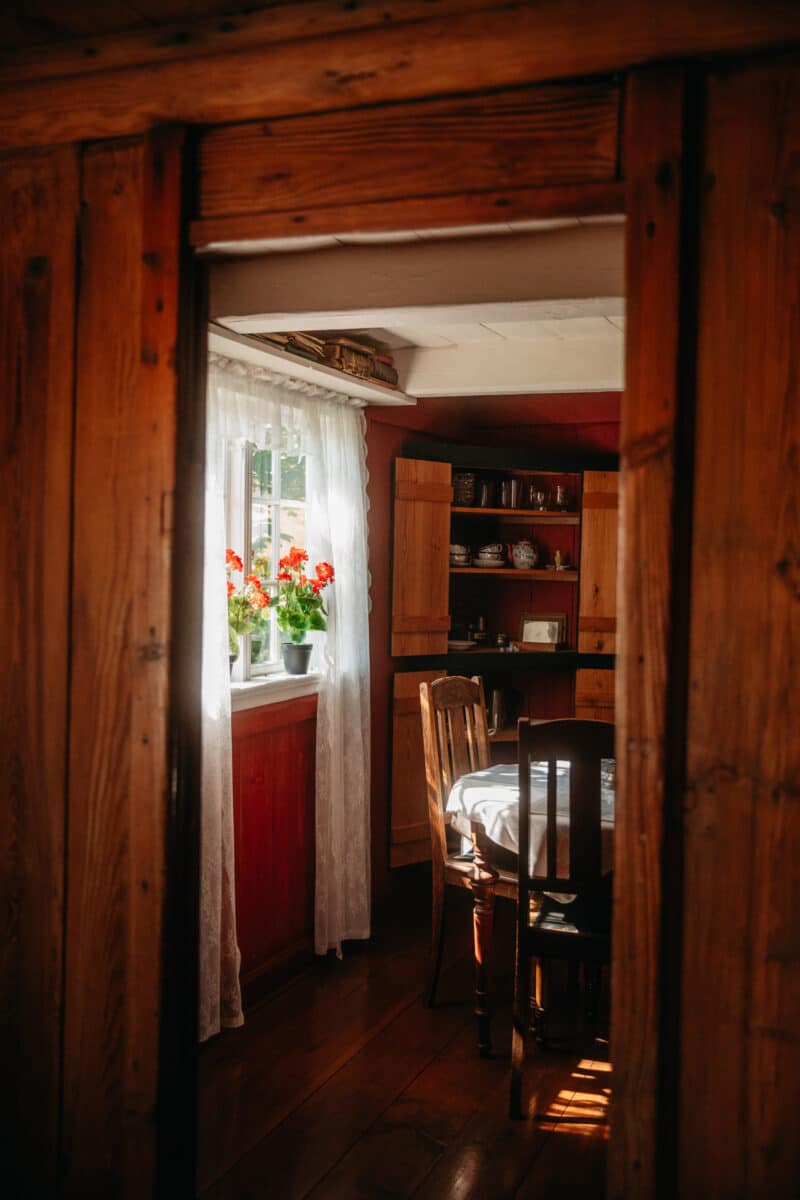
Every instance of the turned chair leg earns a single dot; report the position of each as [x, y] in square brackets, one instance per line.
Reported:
[519, 1032]
[437, 939]
[540, 1003]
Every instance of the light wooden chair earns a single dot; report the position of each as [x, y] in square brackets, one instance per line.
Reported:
[456, 741]
[579, 932]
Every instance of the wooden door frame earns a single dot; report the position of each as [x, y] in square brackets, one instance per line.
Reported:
[654, 446]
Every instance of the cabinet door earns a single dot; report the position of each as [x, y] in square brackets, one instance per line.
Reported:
[594, 695]
[410, 834]
[421, 579]
[597, 613]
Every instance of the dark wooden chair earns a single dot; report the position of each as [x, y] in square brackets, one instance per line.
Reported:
[579, 932]
[456, 740]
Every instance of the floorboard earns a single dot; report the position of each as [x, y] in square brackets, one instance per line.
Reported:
[343, 1086]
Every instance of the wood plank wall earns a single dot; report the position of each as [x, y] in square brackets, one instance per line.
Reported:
[740, 1054]
[654, 159]
[38, 215]
[118, 778]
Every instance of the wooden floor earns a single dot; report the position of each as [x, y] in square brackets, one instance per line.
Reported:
[344, 1086]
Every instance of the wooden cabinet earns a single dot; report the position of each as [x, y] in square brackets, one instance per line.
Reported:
[597, 615]
[430, 598]
[422, 498]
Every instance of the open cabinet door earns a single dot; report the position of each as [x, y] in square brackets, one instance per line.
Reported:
[421, 580]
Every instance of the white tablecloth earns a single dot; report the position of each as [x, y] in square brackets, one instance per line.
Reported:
[491, 799]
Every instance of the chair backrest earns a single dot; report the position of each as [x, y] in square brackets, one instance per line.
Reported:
[456, 740]
[584, 744]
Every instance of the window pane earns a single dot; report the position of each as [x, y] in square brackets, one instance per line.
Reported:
[261, 641]
[262, 473]
[293, 477]
[293, 527]
[261, 526]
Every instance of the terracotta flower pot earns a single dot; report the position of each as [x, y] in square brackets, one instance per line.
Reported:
[296, 657]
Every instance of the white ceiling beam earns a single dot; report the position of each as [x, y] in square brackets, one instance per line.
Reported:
[514, 368]
[570, 265]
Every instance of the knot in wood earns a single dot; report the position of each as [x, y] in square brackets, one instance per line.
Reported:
[788, 568]
[151, 651]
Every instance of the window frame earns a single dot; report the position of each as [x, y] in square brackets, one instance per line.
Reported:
[239, 532]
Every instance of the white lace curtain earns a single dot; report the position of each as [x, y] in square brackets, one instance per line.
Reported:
[251, 403]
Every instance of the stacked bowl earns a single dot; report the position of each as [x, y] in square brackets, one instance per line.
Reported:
[459, 555]
[491, 555]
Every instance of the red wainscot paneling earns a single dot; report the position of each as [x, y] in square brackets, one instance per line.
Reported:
[273, 792]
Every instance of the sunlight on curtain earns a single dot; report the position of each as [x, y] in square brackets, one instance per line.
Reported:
[246, 402]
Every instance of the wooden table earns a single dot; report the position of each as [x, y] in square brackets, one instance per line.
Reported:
[484, 807]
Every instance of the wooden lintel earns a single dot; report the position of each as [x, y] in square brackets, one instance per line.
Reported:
[325, 58]
[494, 207]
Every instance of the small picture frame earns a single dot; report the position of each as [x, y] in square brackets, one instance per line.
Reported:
[542, 631]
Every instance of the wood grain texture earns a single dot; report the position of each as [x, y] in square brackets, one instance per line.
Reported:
[274, 755]
[420, 579]
[344, 64]
[38, 213]
[597, 610]
[653, 157]
[190, 34]
[742, 817]
[410, 832]
[124, 477]
[423, 212]
[594, 695]
[546, 135]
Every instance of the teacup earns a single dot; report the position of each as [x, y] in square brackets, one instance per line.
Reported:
[492, 550]
[457, 550]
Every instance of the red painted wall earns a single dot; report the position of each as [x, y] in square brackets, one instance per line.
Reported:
[584, 422]
[273, 791]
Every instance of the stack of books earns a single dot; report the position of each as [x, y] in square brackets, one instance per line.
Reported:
[362, 360]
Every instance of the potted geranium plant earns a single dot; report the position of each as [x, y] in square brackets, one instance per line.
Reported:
[299, 606]
[247, 604]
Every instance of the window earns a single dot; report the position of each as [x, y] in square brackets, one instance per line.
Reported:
[265, 514]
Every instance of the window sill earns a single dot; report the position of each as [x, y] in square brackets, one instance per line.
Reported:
[273, 689]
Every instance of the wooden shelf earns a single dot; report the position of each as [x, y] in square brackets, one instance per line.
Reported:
[533, 516]
[553, 576]
[237, 345]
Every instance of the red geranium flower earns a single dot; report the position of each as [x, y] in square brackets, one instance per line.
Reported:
[284, 577]
[297, 556]
[233, 560]
[231, 588]
[256, 582]
[259, 600]
[324, 572]
[316, 586]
